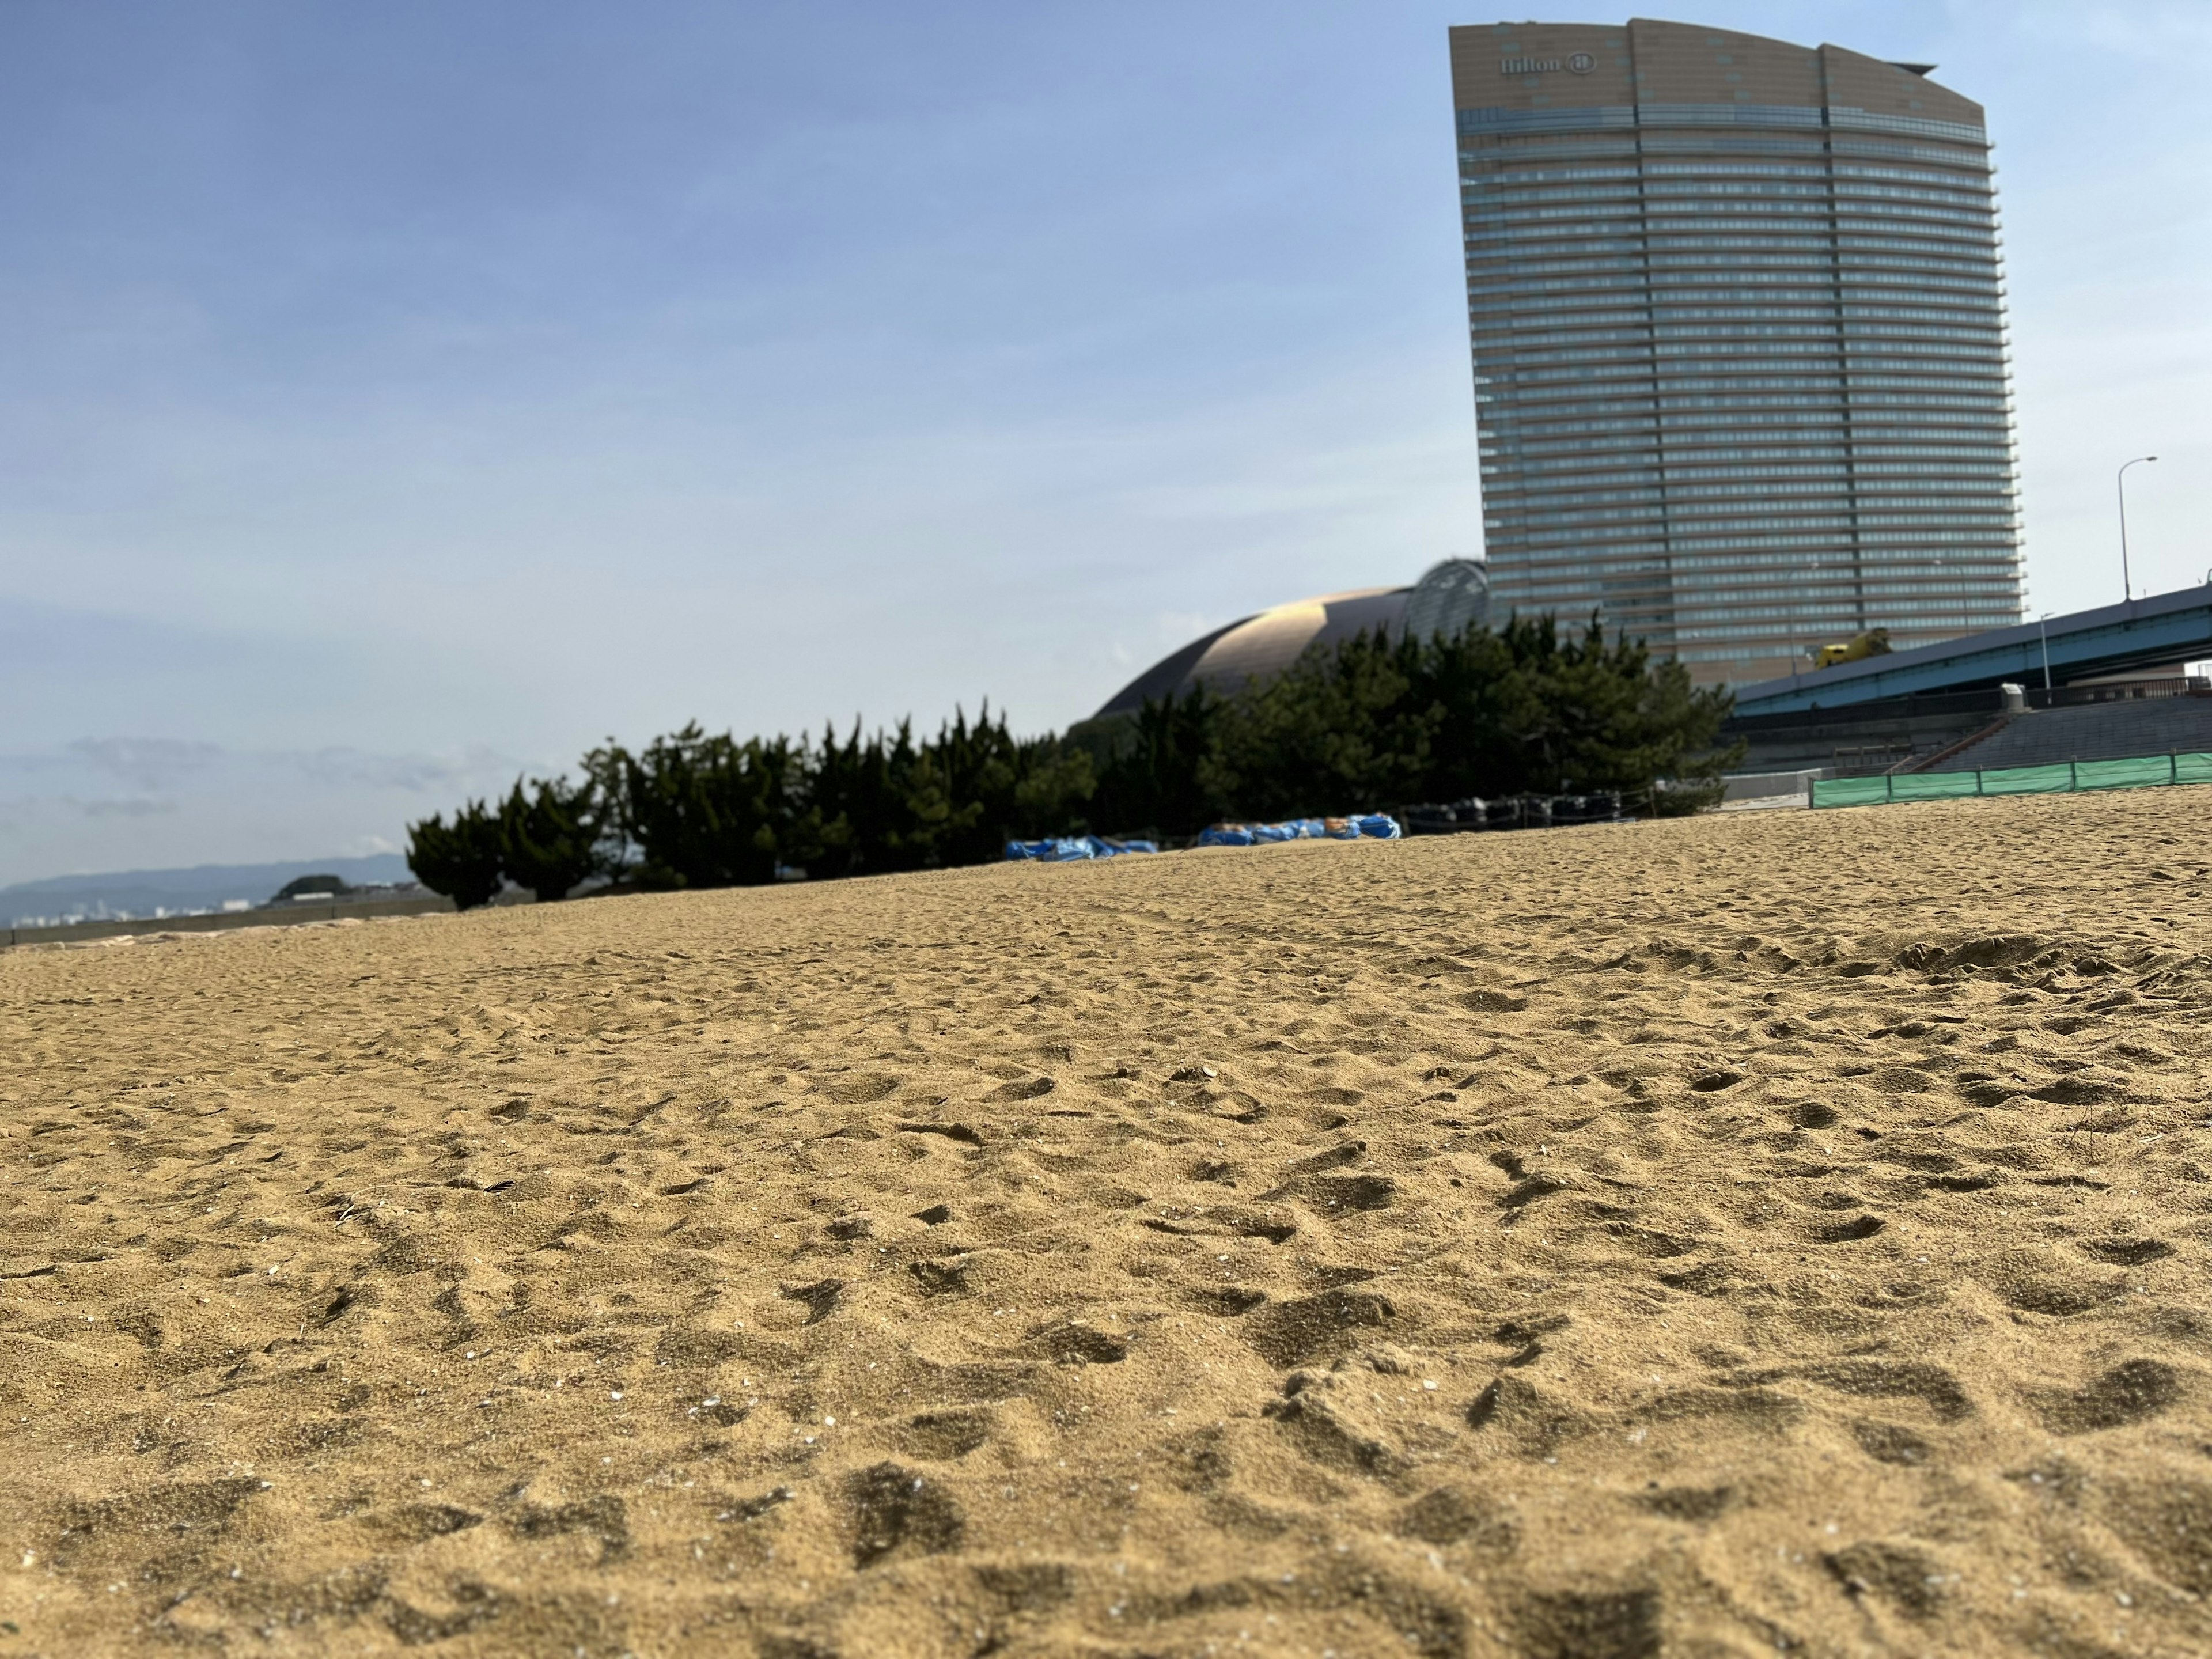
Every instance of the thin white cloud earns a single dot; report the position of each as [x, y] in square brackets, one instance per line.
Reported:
[149, 763]
[133, 806]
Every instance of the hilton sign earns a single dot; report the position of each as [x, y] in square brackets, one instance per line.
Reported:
[1581, 63]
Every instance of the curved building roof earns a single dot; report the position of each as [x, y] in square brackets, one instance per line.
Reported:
[1449, 596]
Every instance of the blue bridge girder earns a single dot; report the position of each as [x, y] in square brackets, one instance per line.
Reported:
[2146, 633]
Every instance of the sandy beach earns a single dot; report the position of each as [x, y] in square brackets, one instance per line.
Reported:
[1771, 1232]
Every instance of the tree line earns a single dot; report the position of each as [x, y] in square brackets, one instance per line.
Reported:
[1373, 722]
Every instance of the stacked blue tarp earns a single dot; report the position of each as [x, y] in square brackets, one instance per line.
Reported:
[1364, 826]
[1064, 849]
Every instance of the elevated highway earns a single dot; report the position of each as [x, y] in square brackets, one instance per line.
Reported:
[2112, 639]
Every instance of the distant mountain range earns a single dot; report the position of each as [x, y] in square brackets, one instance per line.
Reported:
[205, 887]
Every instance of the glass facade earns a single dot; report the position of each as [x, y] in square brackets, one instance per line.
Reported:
[1742, 383]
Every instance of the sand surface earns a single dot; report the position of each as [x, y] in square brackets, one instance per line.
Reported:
[1778, 1232]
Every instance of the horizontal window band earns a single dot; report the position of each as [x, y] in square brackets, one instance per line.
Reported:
[1628, 117]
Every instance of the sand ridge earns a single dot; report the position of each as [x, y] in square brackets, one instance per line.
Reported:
[1782, 1232]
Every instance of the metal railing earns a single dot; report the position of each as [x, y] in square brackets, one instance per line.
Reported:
[2075, 696]
[1857, 760]
[1922, 704]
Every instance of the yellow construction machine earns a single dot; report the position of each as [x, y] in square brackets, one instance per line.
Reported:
[1874, 642]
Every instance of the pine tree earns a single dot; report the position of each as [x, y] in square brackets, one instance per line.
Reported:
[462, 862]
[549, 839]
[1154, 767]
[711, 811]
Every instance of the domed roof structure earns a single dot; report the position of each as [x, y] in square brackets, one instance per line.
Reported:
[1449, 598]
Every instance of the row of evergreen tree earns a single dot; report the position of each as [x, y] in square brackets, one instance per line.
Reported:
[1371, 723]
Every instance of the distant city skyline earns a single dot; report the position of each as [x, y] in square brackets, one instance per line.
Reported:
[143, 895]
[401, 399]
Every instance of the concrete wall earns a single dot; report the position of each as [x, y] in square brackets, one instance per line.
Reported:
[1815, 743]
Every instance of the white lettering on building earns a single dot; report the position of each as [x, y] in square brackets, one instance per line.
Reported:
[1581, 63]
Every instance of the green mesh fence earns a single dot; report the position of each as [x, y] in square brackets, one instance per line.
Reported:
[2030, 780]
[2066, 776]
[1935, 786]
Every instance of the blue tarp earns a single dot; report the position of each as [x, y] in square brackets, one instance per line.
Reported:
[1062, 850]
[1372, 826]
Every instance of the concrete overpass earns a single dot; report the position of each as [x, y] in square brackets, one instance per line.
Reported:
[2115, 639]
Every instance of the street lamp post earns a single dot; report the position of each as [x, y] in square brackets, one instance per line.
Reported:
[2127, 588]
[2043, 631]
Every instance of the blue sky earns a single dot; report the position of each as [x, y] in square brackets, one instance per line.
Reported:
[400, 396]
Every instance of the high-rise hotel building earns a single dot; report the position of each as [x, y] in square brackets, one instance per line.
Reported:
[1738, 331]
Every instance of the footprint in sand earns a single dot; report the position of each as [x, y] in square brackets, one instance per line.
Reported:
[1612, 1625]
[1879, 1379]
[2168, 1522]
[2127, 1394]
[1457, 1515]
[1909, 1580]
[891, 1508]
[943, 1437]
[939, 1277]
[2125, 1252]
[1892, 1443]
[1848, 1232]
[1317, 1327]
[1698, 1505]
